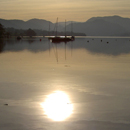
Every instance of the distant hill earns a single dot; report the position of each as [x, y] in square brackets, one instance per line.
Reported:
[39, 24]
[32, 23]
[96, 26]
[124, 22]
[104, 26]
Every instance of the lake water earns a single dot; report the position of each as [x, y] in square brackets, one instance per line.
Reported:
[80, 85]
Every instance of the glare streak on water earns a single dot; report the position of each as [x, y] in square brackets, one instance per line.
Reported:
[92, 71]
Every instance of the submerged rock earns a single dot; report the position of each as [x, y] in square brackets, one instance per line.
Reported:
[6, 104]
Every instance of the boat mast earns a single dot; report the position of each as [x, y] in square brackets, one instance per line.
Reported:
[72, 35]
[49, 30]
[71, 28]
[56, 26]
[65, 28]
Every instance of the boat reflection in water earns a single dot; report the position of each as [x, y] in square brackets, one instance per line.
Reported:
[57, 106]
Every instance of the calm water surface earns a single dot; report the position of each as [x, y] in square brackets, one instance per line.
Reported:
[80, 85]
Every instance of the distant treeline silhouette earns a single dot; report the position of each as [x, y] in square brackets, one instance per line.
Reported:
[37, 32]
[2, 30]
[8, 32]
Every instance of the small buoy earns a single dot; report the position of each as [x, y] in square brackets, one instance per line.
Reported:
[107, 42]
[40, 39]
[101, 40]
[87, 41]
[6, 104]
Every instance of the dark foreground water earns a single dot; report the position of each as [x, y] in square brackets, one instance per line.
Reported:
[80, 85]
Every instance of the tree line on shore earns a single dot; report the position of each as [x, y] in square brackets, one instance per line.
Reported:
[8, 32]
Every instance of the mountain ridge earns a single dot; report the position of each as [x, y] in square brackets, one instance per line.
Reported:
[95, 26]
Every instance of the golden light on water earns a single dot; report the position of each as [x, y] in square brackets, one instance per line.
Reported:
[57, 106]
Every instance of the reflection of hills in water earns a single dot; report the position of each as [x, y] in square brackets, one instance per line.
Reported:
[108, 46]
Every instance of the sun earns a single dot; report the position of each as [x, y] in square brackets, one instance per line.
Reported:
[57, 106]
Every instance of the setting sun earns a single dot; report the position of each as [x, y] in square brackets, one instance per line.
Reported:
[57, 106]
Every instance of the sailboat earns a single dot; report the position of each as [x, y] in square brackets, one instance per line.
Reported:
[58, 39]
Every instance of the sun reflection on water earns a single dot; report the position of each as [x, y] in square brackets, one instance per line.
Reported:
[57, 106]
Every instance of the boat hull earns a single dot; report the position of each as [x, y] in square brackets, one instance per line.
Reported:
[61, 39]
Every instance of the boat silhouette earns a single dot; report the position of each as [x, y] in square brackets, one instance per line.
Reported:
[58, 39]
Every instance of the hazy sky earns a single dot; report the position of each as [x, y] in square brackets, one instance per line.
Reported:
[76, 10]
